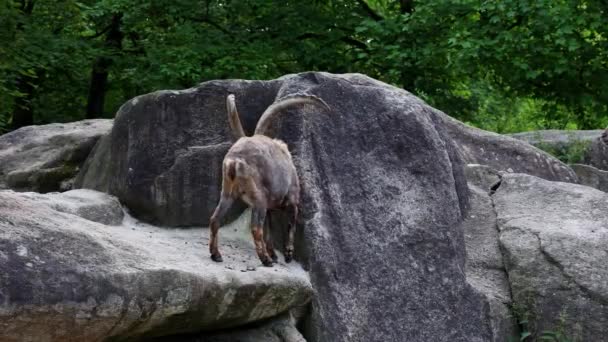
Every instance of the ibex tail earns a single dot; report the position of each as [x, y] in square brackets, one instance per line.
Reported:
[233, 118]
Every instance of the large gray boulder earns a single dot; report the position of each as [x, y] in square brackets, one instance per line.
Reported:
[554, 236]
[575, 147]
[504, 153]
[383, 195]
[591, 176]
[67, 278]
[596, 154]
[46, 158]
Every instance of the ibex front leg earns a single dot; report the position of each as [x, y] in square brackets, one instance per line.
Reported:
[291, 232]
[257, 230]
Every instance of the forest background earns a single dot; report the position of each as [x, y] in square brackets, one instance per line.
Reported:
[505, 66]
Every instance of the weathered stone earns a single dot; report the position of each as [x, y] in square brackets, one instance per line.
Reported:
[88, 204]
[504, 153]
[64, 278]
[485, 268]
[482, 176]
[280, 329]
[591, 176]
[597, 155]
[163, 156]
[383, 193]
[554, 236]
[96, 169]
[41, 158]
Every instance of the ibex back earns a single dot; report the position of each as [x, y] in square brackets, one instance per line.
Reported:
[260, 171]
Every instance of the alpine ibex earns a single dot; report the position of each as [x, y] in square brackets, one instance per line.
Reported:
[260, 171]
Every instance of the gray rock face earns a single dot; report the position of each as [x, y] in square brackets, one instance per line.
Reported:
[504, 153]
[597, 155]
[96, 170]
[280, 329]
[45, 158]
[383, 193]
[485, 268]
[163, 156]
[554, 236]
[591, 176]
[483, 177]
[64, 278]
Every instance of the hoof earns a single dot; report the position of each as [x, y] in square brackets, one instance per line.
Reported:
[267, 263]
[288, 255]
[216, 258]
[275, 258]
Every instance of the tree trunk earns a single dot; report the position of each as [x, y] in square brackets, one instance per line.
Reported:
[99, 74]
[23, 114]
[408, 77]
[407, 6]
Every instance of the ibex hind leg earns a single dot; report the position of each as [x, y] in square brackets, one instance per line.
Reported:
[257, 230]
[268, 238]
[214, 225]
[291, 232]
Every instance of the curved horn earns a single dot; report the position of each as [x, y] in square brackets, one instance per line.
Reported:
[264, 123]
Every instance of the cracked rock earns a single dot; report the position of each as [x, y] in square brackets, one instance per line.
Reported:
[485, 269]
[555, 236]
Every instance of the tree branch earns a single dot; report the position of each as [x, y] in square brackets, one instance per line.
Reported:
[210, 23]
[406, 6]
[345, 39]
[100, 33]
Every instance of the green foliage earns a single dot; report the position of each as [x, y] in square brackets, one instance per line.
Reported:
[507, 66]
[571, 153]
[526, 318]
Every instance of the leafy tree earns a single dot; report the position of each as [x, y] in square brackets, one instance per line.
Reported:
[506, 66]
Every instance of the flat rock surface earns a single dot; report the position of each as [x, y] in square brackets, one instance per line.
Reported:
[89, 204]
[65, 278]
[555, 238]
